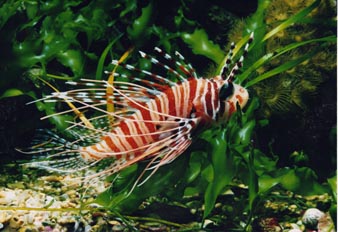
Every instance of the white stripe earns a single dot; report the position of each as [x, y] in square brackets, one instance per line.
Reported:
[203, 99]
[138, 116]
[133, 131]
[177, 96]
[152, 105]
[123, 140]
[130, 156]
[99, 147]
[115, 140]
[164, 103]
[91, 152]
[212, 101]
[186, 95]
[105, 146]
[197, 92]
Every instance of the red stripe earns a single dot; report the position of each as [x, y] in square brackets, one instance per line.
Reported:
[125, 129]
[193, 86]
[179, 95]
[111, 144]
[239, 98]
[139, 132]
[171, 101]
[232, 108]
[158, 102]
[208, 99]
[147, 117]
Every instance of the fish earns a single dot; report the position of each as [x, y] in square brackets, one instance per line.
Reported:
[155, 118]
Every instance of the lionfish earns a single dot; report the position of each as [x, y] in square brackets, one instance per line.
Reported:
[155, 119]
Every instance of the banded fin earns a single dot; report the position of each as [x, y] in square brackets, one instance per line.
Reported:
[225, 74]
[53, 153]
[187, 69]
[155, 77]
[159, 153]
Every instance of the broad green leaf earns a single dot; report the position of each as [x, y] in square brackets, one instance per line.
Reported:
[266, 182]
[11, 93]
[7, 10]
[245, 133]
[72, 59]
[222, 163]
[333, 184]
[253, 178]
[201, 45]
[138, 30]
[301, 180]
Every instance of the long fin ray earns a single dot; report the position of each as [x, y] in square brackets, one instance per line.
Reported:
[156, 149]
[189, 72]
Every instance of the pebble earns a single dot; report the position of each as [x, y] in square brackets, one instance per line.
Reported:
[50, 192]
[311, 218]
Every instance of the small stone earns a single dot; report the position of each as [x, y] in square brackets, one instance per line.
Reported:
[29, 228]
[52, 178]
[18, 185]
[15, 222]
[118, 227]
[266, 225]
[311, 217]
[114, 222]
[7, 197]
[5, 216]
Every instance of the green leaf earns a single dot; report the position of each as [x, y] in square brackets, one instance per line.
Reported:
[72, 59]
[253, 178]
[282, 68]
[223, 166]
[245, 133]
[292, 20]
[129, 6]
[59, 121]
[266, 182]
[298, 180]
[11, 93]
[138, 31]
[201, 45]
[7, 10]
[120, 198]
[280, 51]
[208, 173]
[195, 166]
[333, 184]
[100, 65]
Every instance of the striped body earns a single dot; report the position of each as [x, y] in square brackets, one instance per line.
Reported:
[195, 99]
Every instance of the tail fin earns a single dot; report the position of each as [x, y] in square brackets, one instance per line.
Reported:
[53, 153]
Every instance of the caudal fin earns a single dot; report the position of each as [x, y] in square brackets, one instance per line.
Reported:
[51, 152]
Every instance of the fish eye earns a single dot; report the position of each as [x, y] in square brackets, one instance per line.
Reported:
[226, 91]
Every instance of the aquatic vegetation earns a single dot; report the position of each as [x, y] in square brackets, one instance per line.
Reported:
[285, 68]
